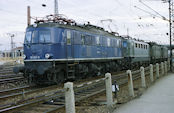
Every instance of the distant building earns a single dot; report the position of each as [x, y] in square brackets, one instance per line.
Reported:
[16, 52]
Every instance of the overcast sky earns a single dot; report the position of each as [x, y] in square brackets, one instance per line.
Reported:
[126, 17]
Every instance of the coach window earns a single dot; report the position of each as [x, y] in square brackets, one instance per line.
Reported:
[136, 45]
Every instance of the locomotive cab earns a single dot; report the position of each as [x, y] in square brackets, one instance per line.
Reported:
[39, 44]
[42, 46]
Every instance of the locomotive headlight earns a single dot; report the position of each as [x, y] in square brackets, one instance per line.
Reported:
[47, 56]
[24, 56]
[34, 25]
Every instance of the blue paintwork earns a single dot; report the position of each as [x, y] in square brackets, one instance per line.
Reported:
[58, 46]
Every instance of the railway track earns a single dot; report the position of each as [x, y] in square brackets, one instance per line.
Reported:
[11, 80]
[53, 101]
[11, 97]
[7, 75]
[10, 75]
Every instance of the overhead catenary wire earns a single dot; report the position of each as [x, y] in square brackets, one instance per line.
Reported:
[146, 11]
[164, 18]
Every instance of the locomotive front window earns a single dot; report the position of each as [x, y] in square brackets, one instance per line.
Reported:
[34, 37]
[28, 37]
[44, 36]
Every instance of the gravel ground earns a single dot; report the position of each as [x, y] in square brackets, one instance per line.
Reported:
[14, 84]
[97, 103]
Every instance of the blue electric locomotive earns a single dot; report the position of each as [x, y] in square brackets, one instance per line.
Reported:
[56, 50]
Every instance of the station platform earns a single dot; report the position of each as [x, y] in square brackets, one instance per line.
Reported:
[159, 98]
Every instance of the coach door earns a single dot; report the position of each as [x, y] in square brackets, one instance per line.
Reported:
[69, 44]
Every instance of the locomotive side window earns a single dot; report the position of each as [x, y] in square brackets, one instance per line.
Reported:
[28, 37]
[76, 38]
[97, 40]
[112, 42]
[88, 40]
[93, 40]
[108, 42]
[118, 43]
[115, 43]
[68, 37]
[104, 41]
[44, 36]
[83, 39]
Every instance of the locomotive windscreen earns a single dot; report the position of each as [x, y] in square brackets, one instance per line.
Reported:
[44, 36]
[40, 36]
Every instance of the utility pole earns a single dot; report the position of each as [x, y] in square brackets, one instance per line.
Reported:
[28, 16]
[127, 31]
[56, 8]
[170, 27]
[12, 43]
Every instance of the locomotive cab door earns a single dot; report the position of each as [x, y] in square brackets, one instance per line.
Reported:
[69, 44]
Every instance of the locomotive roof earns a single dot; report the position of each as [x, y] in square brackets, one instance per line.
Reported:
[83, 28]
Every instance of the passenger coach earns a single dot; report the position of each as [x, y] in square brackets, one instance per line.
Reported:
[136, 53]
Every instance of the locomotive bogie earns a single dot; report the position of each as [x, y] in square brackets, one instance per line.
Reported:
[44, 72]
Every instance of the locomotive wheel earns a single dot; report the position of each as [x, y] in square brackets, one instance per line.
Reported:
[60, 77]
